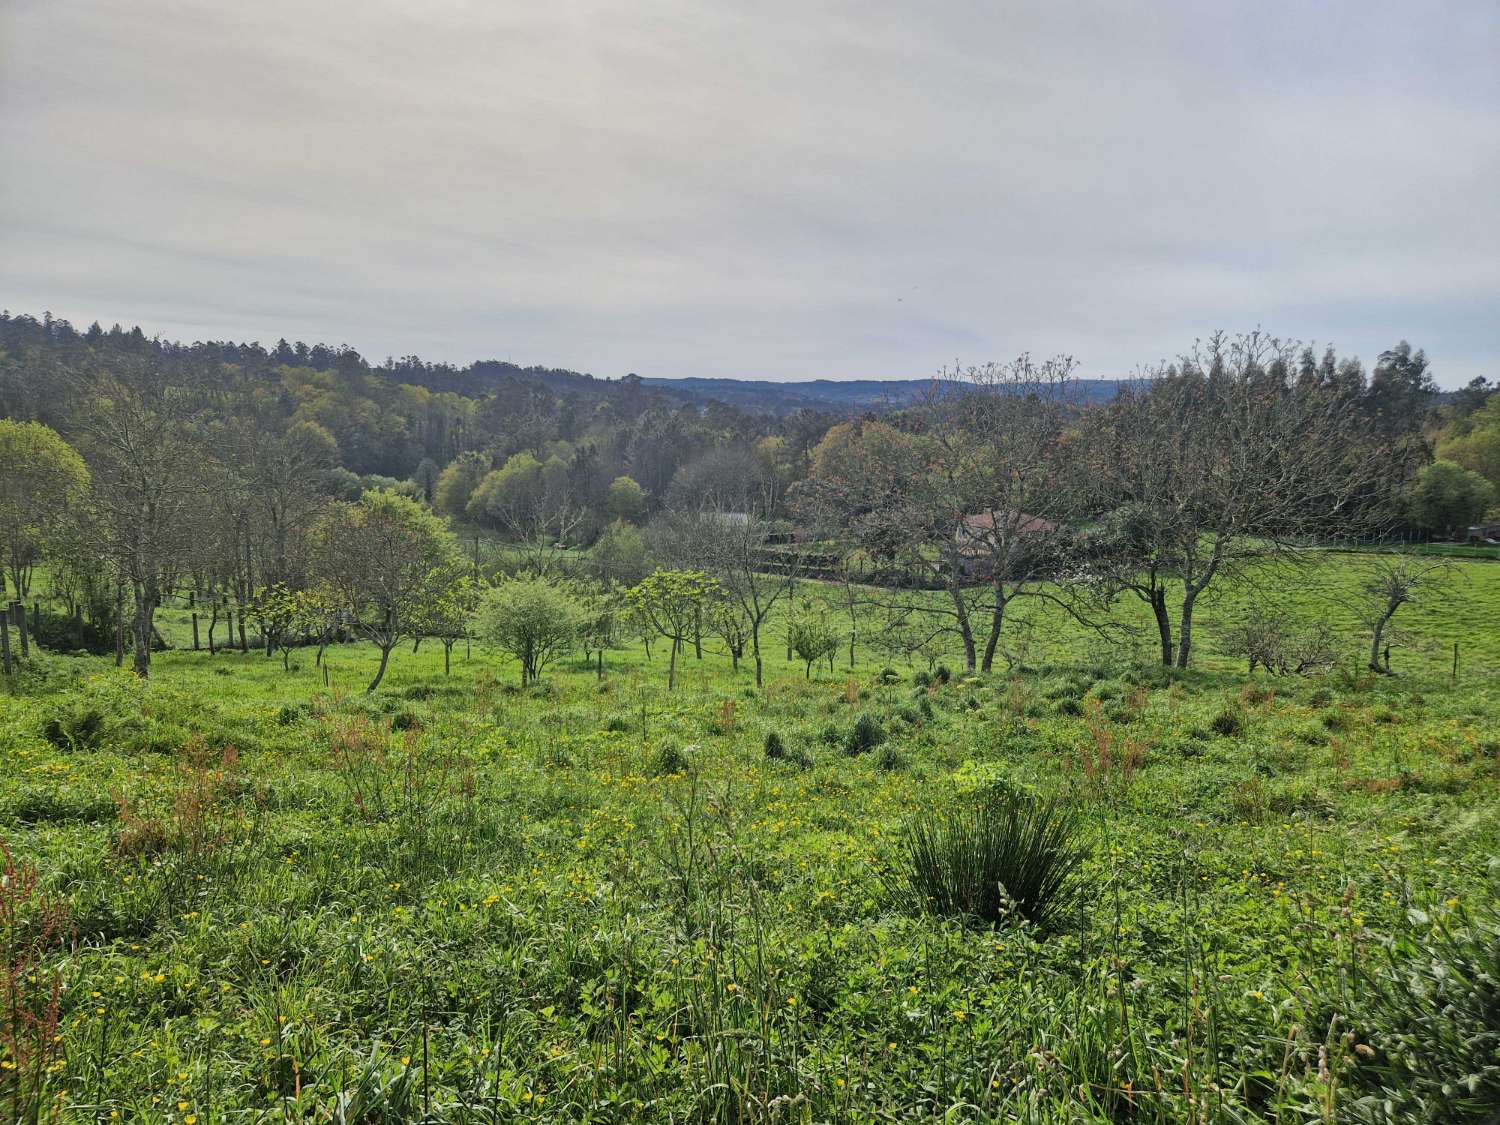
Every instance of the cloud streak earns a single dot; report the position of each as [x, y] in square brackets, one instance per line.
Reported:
[774, 190]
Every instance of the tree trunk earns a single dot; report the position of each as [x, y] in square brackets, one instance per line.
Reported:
[1158, 600]
[672, 665]
[119, 624]
[195, 632]
[1381, 622]
[965, 629]
[1185, 627]
[145, 611]
[992, 642]
[385, 656]
[755, 647]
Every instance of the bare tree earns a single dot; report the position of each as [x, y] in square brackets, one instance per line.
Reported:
[1390, 584]
[1219, 463]
[754, 573]
[144, 465]
[958, 495]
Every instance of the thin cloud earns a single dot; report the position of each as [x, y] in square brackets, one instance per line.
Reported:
[778, 190]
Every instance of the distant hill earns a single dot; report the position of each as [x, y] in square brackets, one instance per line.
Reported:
[829, 394]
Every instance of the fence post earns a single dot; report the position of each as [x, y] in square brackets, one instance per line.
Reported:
[18, 611]
[5, 642]
[195, 632]
[1455, 662]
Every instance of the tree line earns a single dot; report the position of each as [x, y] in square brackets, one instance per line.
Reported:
[213, 470]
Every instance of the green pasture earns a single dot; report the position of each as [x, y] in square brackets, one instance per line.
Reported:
[595, 900]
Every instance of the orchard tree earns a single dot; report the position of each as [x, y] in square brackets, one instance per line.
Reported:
[1220, 463]
[740, 555]
[813, 639]
[42, 480]
[532, 620]
[387, 559]
[1390, 584]
[448, 616]
[670, 603]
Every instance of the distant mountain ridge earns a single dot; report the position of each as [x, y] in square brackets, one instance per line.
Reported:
[830, 394]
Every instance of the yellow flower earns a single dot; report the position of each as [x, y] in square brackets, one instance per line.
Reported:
[406, 1060]
[791, 1001]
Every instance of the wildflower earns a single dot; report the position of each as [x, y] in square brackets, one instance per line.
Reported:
[406, 1060]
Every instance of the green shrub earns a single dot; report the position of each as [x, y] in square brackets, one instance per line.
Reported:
[1431, 1015]
[921, 678]
[617, 725]
[864, 736]
[74, 727]
[291, 714]
[1229, 722]
[1003, 854]
[670, 759]
[775, 748]
[889, 675]
[942, 673]
[829, 735]
[889, 759]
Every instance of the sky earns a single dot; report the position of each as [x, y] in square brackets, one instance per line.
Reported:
[765, 189]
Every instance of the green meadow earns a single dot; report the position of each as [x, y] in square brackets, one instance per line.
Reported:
[275, 898]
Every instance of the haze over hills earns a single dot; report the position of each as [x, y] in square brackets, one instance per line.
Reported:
[830, 394]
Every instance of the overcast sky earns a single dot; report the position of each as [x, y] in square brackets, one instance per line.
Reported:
[759, 189]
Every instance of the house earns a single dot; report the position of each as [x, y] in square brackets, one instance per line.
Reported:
[978, 535]
[982, 527]
[1484, 533]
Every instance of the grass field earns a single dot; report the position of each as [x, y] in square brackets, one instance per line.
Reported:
[594, 900]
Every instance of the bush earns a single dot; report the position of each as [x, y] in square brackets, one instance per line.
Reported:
[829, 735]
[1228, 722]
[889, 675]
[942, 674]
[889, 759]
[775, 748]
[1432, 1018]
[866, 734]
[670, 759]
[617, 725]
[77, 727]
[921, 678]
[1004, 854]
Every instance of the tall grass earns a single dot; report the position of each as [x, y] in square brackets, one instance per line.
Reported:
[1002, 855]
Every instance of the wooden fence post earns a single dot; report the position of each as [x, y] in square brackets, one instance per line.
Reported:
[5, 642]
[1455, 662]
[195, 632]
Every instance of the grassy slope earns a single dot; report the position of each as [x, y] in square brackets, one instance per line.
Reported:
[581, 938]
